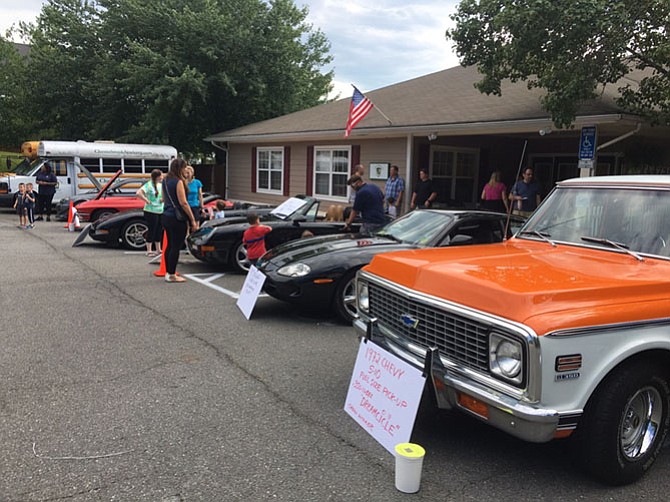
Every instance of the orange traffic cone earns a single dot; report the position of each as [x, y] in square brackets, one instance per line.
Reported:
[69, 215]
[161, 270]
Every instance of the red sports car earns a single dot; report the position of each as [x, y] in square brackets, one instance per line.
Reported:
[108, 202]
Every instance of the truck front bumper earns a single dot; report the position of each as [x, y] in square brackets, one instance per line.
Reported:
[457, 391]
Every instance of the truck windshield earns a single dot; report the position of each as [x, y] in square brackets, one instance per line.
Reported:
[25, 168]
[638, 219]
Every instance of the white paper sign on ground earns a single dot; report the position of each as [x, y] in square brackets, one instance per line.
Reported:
[251, 288]
[384, 395]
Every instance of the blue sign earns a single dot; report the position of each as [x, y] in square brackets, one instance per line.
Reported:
[587, 143]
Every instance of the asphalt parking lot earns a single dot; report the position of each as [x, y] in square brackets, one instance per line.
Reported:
[118, 386]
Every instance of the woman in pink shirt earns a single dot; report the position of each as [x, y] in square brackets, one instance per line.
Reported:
[494, 195]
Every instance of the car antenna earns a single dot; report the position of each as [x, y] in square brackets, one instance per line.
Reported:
[518, 173]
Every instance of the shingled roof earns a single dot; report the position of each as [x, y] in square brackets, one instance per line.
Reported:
[445, 100]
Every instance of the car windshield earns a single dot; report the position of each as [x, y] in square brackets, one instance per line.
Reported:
[417, 227]
[633, 220]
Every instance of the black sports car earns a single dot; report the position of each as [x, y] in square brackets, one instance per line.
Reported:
[129, 227]
[220, 241]
[320, 272]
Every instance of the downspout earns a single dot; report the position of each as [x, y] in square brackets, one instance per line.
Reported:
[620, 138]
[409, 145]
[225, 149]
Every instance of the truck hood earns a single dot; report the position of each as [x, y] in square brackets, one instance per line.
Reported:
[546, 288]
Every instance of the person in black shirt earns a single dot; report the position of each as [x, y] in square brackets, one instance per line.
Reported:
[424, 193]
[46, 181]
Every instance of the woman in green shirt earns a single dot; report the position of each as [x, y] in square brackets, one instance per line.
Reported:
[152, 195]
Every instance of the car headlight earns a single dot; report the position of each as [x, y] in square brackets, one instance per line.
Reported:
[363, 296]
[294, 270]
[506, 358]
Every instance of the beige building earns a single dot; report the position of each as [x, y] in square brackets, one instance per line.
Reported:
[439, 121]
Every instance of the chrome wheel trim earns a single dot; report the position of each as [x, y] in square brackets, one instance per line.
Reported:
[134, 235]
[349, 298]
[640, 423]
[241, 258]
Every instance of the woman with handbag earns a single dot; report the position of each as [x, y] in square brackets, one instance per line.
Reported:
[176, 217]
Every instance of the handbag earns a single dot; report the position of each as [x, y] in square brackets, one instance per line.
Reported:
[178, 211]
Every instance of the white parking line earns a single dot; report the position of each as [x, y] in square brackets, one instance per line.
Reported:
[207, 279]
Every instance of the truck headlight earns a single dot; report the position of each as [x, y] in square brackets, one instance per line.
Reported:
[506, 358]
[363, 296]
[294, 270]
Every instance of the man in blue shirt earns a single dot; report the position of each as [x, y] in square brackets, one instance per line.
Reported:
[526, 194]
[394, 190]
[369, 204]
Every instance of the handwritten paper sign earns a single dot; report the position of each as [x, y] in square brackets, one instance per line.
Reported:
[251, 288]
[384, 395]
[288, 207]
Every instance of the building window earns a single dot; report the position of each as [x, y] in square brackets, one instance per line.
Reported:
[270, 170]
[331, 171]
[455, 172]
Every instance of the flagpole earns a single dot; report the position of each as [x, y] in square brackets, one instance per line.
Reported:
[376, 107]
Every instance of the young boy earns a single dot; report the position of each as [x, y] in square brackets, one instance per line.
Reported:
[29, 204]
[220, 206]
[254, 238]
[18, 205]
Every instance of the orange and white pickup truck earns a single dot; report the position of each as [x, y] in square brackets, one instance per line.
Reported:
[562, 330]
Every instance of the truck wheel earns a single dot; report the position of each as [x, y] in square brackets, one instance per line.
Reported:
[345, 298]
[625, 424]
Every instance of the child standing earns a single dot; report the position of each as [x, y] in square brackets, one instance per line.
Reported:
[392, 208]
[18, 205]
[29, 204]
[254, 238]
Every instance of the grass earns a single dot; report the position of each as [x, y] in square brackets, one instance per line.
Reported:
[15, 158]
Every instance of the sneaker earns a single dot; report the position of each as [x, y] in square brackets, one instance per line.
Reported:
[30, 227]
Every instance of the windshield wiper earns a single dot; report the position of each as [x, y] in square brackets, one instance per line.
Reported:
[389, 236]
[542, 235]
[613, 244]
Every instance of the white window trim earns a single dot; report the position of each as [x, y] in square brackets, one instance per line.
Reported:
[283, 167]
[331, 198]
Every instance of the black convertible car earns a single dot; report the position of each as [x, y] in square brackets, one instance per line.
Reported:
[129, 227]
[319, 272]
[220, 241]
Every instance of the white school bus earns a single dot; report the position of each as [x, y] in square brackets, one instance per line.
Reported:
[77, 164]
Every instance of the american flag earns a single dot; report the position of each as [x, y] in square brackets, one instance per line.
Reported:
[359, 108]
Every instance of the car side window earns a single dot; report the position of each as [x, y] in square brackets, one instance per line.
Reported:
[474, 232]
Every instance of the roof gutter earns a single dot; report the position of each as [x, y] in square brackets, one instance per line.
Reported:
[454, 129]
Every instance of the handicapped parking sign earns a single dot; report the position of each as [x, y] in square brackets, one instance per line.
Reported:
[587, 147]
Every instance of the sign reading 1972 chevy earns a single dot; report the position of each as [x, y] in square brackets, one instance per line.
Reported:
[563, 330]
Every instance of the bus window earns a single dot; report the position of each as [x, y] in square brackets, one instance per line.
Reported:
[132, 166]
[92, 165]
[58, 166]
[111, 165]
[151, 164]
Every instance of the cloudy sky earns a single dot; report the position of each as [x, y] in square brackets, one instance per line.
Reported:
[374, 44]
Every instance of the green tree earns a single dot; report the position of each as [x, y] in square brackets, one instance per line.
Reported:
[14, 121]
[173, 71]
[570, 48]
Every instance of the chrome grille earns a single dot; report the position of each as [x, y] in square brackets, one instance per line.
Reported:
[458, 338]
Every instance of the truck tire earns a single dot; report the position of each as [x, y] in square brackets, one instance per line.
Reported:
[625, 423]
